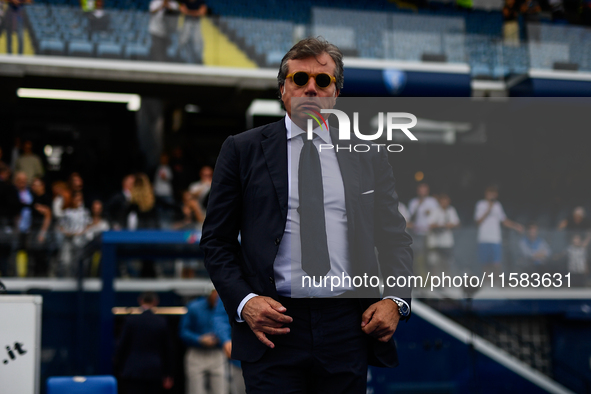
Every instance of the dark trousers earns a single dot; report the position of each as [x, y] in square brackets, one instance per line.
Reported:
[324, 352]
[136, 386]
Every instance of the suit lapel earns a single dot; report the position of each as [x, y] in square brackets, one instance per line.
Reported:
[274, 147]
[349, 165]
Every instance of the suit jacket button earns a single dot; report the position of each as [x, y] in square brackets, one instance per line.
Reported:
[277, 241]
[271, 279]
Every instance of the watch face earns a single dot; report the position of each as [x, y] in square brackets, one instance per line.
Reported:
[403, 308]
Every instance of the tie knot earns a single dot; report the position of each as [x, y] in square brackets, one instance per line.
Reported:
[306, 139]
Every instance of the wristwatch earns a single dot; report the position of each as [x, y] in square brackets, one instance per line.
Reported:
[403, 309]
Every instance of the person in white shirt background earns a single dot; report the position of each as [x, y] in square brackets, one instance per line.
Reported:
[72, 225]
[440, 239]
[420, 208]
[163, 18]
[489, 215]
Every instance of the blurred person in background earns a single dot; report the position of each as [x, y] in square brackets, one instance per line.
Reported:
[26, 199]
[440, 239]
[577, 223]
[98, 19]
[534, 250]
[92, 235]
[9, 212]
[179, 172]
[489, 215]
[142, 212]
[97, 224]
[163, 191]
[29, 162]
[576, 261]
[200, 190]
[191, 215]
[190, 36]
[119, 203]
[162, 21]
[204, 358]
[72, 226]
[420, 208]
[25, 219]
[511, 25]
[75, 183]
[142, 215]
[531, 10]
[13, 22]
[38, 244]
[15, 153]
[62, 198]
[144, 354]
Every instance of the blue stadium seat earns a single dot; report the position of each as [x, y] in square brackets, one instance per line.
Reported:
[137, 51]
[51, 46]
[109, 50]
[82, 385]
[82, 48]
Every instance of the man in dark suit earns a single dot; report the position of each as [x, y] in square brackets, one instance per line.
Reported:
[144, 354]
[290, 339]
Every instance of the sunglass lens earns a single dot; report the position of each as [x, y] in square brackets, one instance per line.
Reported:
[323, 80]
[300, 78]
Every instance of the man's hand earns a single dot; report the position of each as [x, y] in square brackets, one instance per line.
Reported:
[208, 340]
[380, 320]
[264, 315]
[227, 349]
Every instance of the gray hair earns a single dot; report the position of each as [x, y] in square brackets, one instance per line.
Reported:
[312, 47]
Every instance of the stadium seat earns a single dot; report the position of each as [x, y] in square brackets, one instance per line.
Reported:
[137, 51]
[82, 385]
[80, 48]
[109, 50]
[51, 46]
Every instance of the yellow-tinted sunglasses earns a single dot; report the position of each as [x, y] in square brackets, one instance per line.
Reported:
[301, 78]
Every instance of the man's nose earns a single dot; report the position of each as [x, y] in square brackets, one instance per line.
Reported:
[311, 88]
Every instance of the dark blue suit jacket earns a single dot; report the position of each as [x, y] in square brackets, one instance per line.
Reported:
[249, 195]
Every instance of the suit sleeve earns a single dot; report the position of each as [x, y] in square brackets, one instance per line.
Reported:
[221, 228]
[392, 240]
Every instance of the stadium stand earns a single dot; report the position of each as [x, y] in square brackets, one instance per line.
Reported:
[264, 33]
[380, 31]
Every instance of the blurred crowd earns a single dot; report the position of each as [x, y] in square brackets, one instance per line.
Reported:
[432, 220]
[45, 229]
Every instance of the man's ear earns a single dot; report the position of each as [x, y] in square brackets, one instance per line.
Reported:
[336, 93]
[283, 89]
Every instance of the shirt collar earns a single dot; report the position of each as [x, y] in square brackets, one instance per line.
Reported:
[322, 132]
